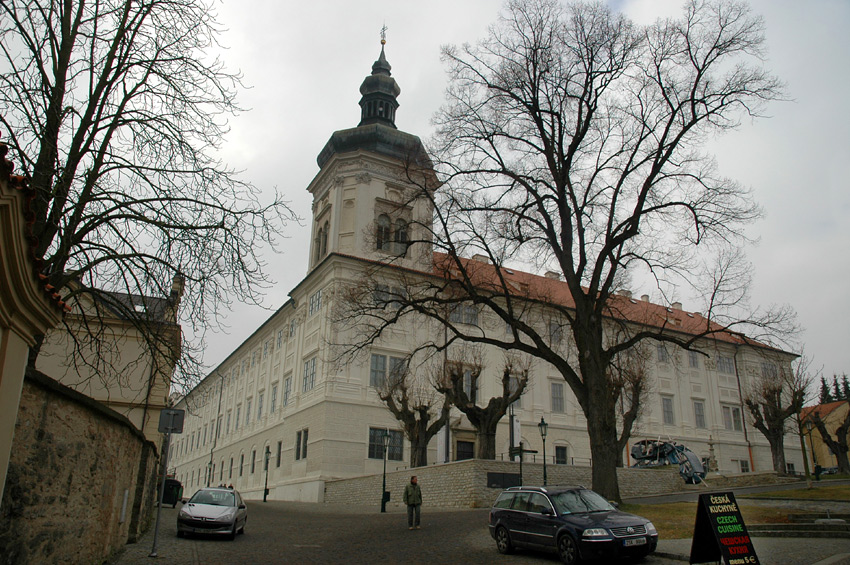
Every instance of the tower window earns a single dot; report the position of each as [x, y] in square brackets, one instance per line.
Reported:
[383, 233]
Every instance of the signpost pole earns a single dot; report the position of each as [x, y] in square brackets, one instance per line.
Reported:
[170, 421]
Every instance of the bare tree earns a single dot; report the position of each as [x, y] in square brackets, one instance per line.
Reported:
[630, 384]
[838, 444]
[421, 411]
[774, 397]
[114, 112]
[459, 383]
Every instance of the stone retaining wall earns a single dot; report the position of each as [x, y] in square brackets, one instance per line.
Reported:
[81, 479]
[463, 484]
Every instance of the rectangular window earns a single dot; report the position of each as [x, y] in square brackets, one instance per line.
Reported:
[667, 410]
[253, 460]
[218, 427]
[725, 365]
[378, 371]
[227, 423]
[470, 384]
[254, 356]
[241, 464]
[279, 338]
[732, 418]
[395, 449]
[693, 359]
[274, 399]
[398, 368]
[768, 371]
[260, 405]
[513, 384]
[301, 444]
[315, 302]
[292, 326]
[789, 468]
[309, 374]
[248, 411]
[265, 350]
[279, 451]
[238, 413]
[745, 465]
[287, 390]
[205, 435]
[560, 454]
[699, 413]
[555, 332]
[558, 398]
[662, 353]
[464, 314]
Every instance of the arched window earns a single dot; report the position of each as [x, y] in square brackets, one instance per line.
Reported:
[323, 236]
[383, 235]
[401, 236]
[317, 246]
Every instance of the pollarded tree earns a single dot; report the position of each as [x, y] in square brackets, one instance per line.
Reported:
[115, 111]
[774, 396]
[459, 382]
[416, 405]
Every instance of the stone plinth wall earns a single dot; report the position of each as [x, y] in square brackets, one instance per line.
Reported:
[463, 484]
[81, 479]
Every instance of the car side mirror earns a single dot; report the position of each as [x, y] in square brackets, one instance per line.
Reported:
[614, 504]
[547, 512]
[241, 506]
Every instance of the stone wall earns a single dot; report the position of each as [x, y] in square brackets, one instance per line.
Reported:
[73, 492]
[463, 484]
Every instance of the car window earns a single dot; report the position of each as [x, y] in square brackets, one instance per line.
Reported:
[213, 497]
[537, 503]
[520, 501]
[504, 500]
[582, 500]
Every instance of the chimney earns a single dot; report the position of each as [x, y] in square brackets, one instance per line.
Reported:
[481, 258]
[552, 275]
[677, 306]
[644, 297]
[178, 285]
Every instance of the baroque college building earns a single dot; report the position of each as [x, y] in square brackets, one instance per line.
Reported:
[280, 401]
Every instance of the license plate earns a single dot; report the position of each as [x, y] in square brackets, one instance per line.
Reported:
[634, 541]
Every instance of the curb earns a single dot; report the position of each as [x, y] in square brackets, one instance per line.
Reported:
[674, 556]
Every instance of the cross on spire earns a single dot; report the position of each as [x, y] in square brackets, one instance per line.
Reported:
[384, 34]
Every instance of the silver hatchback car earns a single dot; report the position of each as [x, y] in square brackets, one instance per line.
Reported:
[215, 511]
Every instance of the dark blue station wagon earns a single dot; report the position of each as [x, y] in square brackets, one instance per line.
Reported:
[575, 522]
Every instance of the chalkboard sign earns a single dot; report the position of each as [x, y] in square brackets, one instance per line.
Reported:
[719, 532]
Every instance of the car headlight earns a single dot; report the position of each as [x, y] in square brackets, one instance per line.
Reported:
[650, 529]
[595, 533]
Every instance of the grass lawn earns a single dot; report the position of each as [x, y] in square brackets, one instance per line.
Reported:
[676, 519]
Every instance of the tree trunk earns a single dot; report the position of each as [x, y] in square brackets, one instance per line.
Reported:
[486, 448]
[602, 429]
[777, 450]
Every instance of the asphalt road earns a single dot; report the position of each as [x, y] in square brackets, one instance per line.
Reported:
[290, 532]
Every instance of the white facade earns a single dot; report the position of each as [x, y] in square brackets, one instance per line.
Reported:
[279, 391]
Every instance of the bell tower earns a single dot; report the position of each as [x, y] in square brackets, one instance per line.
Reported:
[368, 195]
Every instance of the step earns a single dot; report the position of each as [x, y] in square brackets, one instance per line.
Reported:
[799, 527]
[798, 534]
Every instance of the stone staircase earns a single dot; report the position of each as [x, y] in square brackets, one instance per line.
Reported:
[810, 525]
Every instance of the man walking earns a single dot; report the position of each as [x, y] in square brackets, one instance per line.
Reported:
[413, 498]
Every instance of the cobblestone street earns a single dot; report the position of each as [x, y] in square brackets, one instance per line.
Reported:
[289, 532]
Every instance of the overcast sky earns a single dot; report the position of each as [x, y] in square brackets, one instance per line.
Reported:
[304, 62]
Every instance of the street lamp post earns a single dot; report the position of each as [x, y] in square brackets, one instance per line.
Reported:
[544, 429]
[266, 488]
[385, 440]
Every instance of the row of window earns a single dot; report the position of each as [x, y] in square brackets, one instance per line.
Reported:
[732, 419]
[725, 364]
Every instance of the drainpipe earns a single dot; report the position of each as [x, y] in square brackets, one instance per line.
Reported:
[743, 410]
[215, 430]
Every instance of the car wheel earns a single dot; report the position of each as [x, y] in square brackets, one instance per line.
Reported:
[232, 535]
[567, 550]
[503, 541]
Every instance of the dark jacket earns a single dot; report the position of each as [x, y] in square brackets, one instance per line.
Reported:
[412, 494]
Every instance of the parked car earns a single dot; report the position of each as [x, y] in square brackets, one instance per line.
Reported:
[213, 511]
[574, 522]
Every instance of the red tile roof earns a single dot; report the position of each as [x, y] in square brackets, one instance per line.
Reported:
[821, 409]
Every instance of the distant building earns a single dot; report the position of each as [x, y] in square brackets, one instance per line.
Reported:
[276, 400]
[121, 351]
[833, 415]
